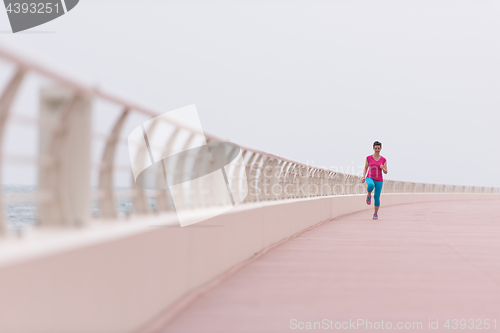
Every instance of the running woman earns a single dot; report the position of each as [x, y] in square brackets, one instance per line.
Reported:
[375, 164]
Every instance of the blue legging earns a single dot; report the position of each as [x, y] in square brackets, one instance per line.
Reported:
[378, 188]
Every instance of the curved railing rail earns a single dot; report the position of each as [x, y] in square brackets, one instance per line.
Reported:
[63, 201]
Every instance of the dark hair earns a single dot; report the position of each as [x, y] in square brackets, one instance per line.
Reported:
[377, 143]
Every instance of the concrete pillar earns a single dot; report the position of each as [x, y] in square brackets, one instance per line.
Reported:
[66, 180]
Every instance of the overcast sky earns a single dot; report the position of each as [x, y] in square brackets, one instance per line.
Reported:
[314, 81]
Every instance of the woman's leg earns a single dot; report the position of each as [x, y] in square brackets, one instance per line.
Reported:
[378, 190]
[370, 185]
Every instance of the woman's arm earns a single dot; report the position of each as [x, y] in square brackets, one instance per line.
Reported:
[384, 167]
[364, 171]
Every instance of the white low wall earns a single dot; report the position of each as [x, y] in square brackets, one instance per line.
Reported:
[118, 277]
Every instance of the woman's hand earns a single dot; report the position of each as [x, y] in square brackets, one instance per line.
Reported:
[363, 179]
[384, 167]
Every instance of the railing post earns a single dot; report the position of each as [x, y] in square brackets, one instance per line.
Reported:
[249, 171]
[274, 184]
[359, 188]
[343, 182]
[264, 179]
[304, 182]
[295, 181]
[68, 178]
[313, 179]
[239, 186]
[6, 100]
[254, 190]
[164, 202]
[107, 203]
[325, 178]
[283, 179]
[329, 183]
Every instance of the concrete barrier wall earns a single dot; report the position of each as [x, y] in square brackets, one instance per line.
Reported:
[118, 278]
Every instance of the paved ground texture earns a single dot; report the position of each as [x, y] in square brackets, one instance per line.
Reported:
[419, 264]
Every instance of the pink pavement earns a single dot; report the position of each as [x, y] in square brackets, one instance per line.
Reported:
[418, 263]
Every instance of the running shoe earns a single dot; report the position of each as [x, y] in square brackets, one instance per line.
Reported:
[375, 216]
[368, 199]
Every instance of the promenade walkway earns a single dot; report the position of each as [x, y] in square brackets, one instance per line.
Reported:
[418, 263]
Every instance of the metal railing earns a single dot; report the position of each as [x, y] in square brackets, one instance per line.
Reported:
[270, 177]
